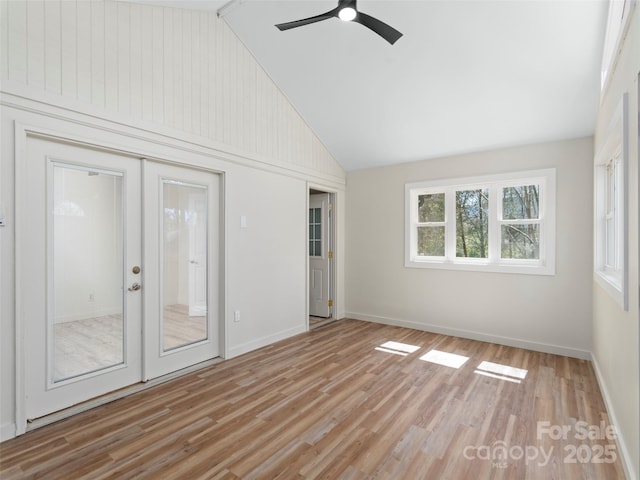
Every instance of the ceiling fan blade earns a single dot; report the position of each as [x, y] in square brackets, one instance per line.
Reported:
[307, 21]
[387, 32]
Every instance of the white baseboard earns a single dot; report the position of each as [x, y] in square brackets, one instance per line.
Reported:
[264, 341]
[7, 431]
[95, 313]
[457, 332]
[623, 450]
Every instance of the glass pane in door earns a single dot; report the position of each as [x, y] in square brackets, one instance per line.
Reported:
[315, 232]
[87, 252]
[185, 259]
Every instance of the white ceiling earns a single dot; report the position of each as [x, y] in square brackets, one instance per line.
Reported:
[466, 76]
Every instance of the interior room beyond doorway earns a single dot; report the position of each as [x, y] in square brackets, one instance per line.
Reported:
[321, 254]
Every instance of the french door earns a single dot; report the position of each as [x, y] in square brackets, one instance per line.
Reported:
[181, 264]
[98, 253]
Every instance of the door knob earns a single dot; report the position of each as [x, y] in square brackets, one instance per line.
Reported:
[135, 287]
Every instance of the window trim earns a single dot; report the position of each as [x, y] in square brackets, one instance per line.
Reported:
[614, 151]
[546, 178]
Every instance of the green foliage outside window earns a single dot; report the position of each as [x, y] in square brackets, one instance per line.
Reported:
[521, 240]
[431, 238]
[472, 223]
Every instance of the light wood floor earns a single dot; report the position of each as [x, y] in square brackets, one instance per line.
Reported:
[87, 345]
[92, 344]
[180, 328]
[339, 402]
[317, 322]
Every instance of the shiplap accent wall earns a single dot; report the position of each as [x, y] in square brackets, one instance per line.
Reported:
[179, 68]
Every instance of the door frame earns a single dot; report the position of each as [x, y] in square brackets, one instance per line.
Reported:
[333, 241]
[22, 132]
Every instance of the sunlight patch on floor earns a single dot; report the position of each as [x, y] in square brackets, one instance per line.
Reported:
[397, 348]
[444, 358]
[502, 372]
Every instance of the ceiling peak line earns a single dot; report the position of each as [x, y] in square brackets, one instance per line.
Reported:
[228, 7]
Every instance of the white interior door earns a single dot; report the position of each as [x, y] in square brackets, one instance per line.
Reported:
[80, 240]
[181, 263]
[319, 257]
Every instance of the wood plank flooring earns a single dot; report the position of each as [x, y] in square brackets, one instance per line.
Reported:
[352, 400]
[87, 345]
[317, 322]
[180, 328]
[92, 344]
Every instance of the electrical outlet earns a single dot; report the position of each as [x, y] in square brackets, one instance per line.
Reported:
[236, 316]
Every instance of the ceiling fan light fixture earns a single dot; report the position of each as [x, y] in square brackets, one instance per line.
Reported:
[347, 11]
[347, 14]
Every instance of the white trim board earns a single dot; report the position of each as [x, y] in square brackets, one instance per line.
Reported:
[162, 135]
[472, 335]
[623, 450]
[266, 341]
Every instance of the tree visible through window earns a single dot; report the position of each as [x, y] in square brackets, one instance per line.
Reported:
[520, 229]
[431, 225]
[472, 223]
[498, 223]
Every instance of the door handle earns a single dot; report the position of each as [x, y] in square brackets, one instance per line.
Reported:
[135, 287]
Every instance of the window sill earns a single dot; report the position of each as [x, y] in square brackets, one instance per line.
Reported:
[612, 284]
[480, 266]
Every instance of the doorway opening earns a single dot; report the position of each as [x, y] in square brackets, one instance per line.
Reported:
[321, 242]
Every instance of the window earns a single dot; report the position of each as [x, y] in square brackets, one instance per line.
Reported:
[520, 222]
[431, 228]
[315, 232]
[472, 223]
[611, 204]
[498, 223]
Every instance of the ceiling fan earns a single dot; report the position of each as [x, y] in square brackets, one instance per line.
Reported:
[348, 11]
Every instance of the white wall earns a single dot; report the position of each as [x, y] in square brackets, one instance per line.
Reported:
[267, 259]
[547, 313]
[177, 85]
[615, 332]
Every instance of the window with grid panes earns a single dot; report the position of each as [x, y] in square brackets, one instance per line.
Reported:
[499, 223]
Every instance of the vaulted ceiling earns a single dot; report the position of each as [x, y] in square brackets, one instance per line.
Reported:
[468, 75]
